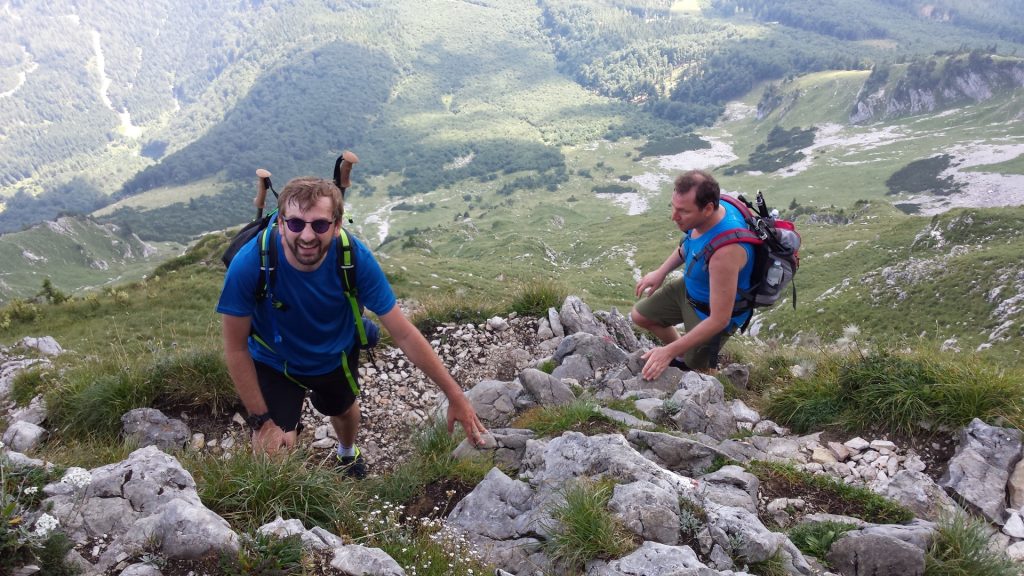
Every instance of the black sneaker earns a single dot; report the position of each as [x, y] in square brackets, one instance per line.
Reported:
[677, 363]
[352, 466]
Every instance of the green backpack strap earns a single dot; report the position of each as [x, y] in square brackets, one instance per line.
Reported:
[347, 270]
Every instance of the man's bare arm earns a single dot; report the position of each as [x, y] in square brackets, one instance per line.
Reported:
[419, 352]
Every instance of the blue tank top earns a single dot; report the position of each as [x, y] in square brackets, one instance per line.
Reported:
[695, 271]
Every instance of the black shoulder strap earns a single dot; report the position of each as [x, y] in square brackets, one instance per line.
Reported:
[268, 260]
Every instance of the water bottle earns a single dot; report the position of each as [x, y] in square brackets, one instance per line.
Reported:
[774, 275]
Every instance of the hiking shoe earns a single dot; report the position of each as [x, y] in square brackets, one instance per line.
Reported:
[352, 466]
[372, 333]
[677, 363]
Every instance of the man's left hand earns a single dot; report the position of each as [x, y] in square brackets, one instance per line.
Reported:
[657, 361]
[462, 411]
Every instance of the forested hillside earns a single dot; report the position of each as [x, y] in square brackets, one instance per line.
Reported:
[100, 101]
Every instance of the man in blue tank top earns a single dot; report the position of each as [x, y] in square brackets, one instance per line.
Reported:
[302, 338]
[702, 298]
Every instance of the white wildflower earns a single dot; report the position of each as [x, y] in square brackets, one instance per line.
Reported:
[77, 477]
[31, 490]
[851, 331]
[45, 524]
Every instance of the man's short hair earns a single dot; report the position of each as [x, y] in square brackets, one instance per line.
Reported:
[707, 189]
[305, 191]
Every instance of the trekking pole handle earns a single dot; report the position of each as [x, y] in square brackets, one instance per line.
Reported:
[348, 160]
[262, 183]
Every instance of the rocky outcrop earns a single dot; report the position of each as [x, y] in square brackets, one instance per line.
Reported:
[664, 478]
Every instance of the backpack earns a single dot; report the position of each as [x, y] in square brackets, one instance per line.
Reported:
[776, 255]
[263, 227]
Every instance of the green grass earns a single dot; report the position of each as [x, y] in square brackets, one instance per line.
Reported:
[264, 555]
[250, 490]
[961, 548]
[584, 529]
[554, 420]
[815, 539]
[535, 297]
[896, 393]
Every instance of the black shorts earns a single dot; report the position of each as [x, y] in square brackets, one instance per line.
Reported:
[331, 394]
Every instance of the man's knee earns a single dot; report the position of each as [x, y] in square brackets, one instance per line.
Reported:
[642, 321]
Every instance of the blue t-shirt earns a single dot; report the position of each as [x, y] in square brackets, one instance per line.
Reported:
[309, 336]
[696, 276]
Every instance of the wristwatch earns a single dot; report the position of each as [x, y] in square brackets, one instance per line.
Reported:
[256, 421]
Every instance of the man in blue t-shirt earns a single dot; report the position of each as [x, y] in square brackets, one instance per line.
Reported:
[302, 335]
[703, 298]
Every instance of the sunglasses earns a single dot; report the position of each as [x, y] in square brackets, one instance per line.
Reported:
[297, 225]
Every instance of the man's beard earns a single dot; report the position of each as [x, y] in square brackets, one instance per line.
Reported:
[312, 254]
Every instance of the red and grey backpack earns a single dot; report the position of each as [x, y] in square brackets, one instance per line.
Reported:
[776, 255]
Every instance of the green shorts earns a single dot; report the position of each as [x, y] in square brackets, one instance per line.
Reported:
[668, 306]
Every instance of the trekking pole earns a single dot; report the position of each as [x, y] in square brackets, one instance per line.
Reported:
[343, 172]
[262, 184]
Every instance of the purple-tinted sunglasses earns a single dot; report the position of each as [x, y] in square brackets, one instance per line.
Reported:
[297, 225]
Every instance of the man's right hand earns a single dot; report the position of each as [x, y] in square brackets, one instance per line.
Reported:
[270, 438]
[650, 282]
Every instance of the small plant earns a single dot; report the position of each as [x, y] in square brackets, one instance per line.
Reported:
[51, 293]
[193, 379]
[20, 311]
[692, 519]
[21, 543]
[250, 490]
[773, 566]
[27, 384]
[422, 546]
[578, 415]
[961, 549]
[547, 366]
[816, 538]
[533, 298]
[451, 308]
[585, 528]
[264, 555]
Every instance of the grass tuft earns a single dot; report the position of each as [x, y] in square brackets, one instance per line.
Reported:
[580, 415]
[817, 538]
[897, 393]
[585, 528]
[451, 309]
[961, 549]
[250, 490]
[533, 298]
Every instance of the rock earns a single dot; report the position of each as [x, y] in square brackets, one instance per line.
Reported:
[546, 389]
[857, 554]
[1014, 526]
[648, 510]
[45, 345]
[627, 419]
[1015, 486]
[497, 324]
[620, 329]
[857, 444]
[980, 468]
[737, 374]
[920, 494]
[682, 455]
[496, 402]
[498, 508]
[24, 436]
[356, 560]
[653, 559]
[577, 317]
[150, 427]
